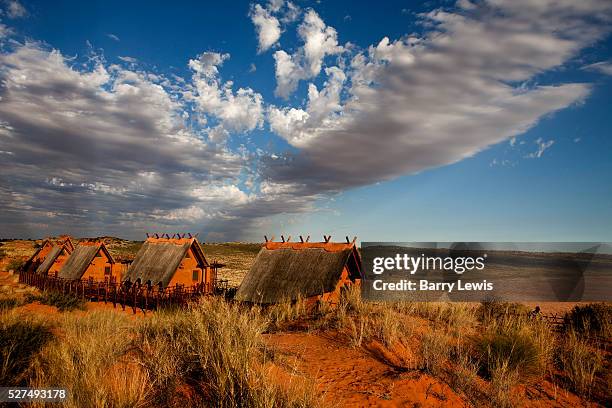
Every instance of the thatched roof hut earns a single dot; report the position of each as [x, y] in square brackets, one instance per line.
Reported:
[88, 260]
[169, 261]
[285, 271]
[44, 249]
[54, 259]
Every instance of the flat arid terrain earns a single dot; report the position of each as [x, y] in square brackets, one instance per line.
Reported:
[220, 353]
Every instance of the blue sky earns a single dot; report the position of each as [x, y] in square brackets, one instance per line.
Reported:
[437, 121]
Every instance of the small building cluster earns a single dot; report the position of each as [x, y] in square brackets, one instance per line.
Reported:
[162, 261]
[282, 271]
[50, 256]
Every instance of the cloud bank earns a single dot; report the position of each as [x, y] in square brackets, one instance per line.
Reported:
[117, 149]
[417, 103]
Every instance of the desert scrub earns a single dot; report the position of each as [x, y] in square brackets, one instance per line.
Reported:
[492, 310]
[15, 265]
[90, 359]
[527, 342]
[509, 351]
[464, 373]
[372, 321]
[21, 338]
[346, 312]
[503, 379]
[387, 327]
[452, 316]
[435, 352]
[281, 314]
[514, 349]
[9, 302]
[591, 319]
[64, 302]
[580, 362]
[217, 350]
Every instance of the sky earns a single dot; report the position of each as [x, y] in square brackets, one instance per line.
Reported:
[403, 121]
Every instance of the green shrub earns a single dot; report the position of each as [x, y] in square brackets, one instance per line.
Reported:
[15, 264]
[64, 302]
[492, 309]
[9, 302]
[21, 337]
[594, 318]
[510, 351]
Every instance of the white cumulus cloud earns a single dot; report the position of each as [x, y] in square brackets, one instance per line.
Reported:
[267, 27]
[319, 41]
[237, 111]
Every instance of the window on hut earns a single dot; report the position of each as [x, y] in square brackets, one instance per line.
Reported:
[107, 270]
[196, 275]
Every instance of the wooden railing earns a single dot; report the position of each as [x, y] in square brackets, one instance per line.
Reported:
[135, 295]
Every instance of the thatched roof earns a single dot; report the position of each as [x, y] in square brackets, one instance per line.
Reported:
[79, 260]
[289, 271]
[36, 253]
[62, 240]
[66, 241]
[158, 259]
[44, 267]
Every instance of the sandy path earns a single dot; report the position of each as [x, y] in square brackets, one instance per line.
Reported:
[352, 377]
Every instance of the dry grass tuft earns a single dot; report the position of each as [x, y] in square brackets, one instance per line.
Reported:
[282, 314]
[435, 352]
[503, 379]
[580, 362]
[217, 350]
[84, 360]
[21, 337]
[8, 302]
[464, 374]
